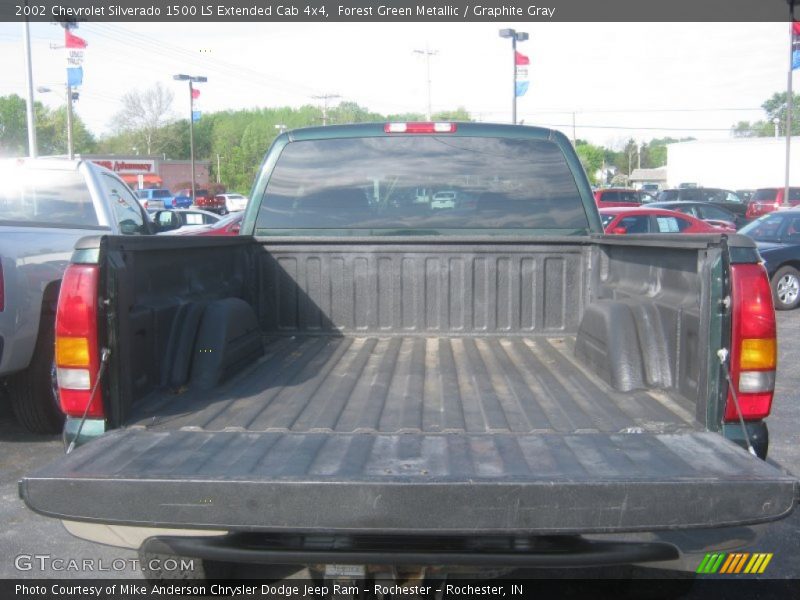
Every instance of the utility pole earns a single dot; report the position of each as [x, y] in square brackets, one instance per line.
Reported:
[427, 54]
[218, 167]
[573, 128]
[26, 35]
[325, 98]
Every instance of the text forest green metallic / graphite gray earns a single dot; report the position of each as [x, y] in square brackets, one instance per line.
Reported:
[474, 384]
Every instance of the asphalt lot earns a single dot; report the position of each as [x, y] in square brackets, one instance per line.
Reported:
[26, 534]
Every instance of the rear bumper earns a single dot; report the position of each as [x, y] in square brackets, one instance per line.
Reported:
[564, 551]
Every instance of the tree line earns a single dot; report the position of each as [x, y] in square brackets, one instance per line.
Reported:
[236, 140]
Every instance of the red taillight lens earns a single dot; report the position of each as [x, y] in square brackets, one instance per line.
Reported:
[753, 343]
[425, 127]
[77, 356]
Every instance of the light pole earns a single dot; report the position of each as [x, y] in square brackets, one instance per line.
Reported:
[516, 36]
[70, 97]
[191, 79]
[31, 119]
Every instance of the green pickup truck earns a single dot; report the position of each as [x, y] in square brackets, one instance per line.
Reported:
[361, 379]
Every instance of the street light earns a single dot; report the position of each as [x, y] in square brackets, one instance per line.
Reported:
[70, 97]
[191, 79]
[515, 36]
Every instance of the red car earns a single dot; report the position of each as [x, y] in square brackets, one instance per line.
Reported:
[654, 220]
[205, 200]
[229, 225]
[615, 197]
[765, 200]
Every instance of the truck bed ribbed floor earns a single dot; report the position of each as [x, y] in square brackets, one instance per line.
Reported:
[417, 384]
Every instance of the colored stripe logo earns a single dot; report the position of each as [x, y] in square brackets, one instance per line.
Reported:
[735, 563]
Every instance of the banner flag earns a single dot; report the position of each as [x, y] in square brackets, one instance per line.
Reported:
[522, 63]
[75, 54]
[74, 76]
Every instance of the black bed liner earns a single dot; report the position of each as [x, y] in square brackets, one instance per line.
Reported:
[416, 384]
[411, 483]
[416, 435]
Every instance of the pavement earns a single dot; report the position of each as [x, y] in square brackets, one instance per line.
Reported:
[28, 539]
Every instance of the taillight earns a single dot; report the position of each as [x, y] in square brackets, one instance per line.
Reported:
[77, 355]
[754, 352]
[425, 127]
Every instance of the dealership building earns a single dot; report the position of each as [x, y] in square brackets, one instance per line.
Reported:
[153, 171]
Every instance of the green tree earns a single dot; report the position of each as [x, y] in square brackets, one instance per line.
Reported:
[592, 158]
[52, 133]
[775, 107]
[13, 126]
[459, 114]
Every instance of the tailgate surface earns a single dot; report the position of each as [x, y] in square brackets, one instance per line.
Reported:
[412, 483]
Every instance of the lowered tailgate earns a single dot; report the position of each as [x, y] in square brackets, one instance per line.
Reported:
[413, 483]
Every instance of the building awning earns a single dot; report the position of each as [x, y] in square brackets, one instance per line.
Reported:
[132, 179]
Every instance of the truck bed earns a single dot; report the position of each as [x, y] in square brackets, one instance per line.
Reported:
[429, 387]
[404, 384]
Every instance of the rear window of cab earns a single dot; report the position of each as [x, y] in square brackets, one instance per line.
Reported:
[396, 185]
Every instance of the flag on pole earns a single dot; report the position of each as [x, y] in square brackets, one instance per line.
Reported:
[196, 112]
[73, 41]
[522, 63]
[74, 76]
[75, 51]
[795, 45]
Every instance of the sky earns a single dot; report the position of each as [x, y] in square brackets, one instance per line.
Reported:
[621, 80]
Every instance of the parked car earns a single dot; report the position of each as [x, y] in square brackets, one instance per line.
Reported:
[187, 218]
[617, 197]
[445, 199]
[766, 200]
[705, 211]
[204, 200]
[745, 195]
[777, 236]
[717, 196]
[654, 220]
[162, 198]
[46, 206]
[350, 383]
[228, 225]
[651, 188]
[233, 202]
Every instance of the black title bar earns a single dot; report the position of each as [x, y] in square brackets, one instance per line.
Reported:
[389, 11]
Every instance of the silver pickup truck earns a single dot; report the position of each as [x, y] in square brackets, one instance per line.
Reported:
[46, 205]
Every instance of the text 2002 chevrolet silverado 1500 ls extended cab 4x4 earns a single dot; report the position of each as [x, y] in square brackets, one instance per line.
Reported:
[367, 381]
